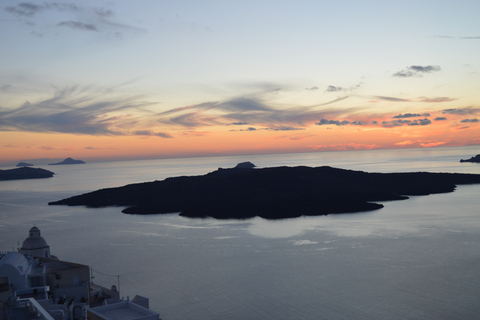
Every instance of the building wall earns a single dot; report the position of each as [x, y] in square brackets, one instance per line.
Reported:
[15, 278]
[73, 283]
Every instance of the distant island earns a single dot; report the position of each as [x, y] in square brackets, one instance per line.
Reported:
[67, 161]
[25, 173]
[271, 193]
[24, 164]
[472, 159]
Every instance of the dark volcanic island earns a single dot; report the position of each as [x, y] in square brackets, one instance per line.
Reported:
[25, 173]
[271, 193]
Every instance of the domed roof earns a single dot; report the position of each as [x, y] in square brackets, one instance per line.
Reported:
[34, 240]
[15, 260]
[32, 243]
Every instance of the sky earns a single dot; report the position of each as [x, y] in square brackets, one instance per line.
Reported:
[103, 80]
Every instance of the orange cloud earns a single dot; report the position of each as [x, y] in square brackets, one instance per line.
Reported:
[432, 144]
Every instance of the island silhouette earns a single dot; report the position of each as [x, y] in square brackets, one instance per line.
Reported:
[270, 193]
[67, 161]
[25, 173]
[472, 159]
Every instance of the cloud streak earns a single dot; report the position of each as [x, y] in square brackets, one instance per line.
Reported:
[71, 16]
[72, 111]
[416, 71]
[78, 25]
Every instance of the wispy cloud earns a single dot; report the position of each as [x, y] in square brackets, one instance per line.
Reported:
[99, 19]
[436, 99]
[72, 110]
[253, 111]
[416, 71]
[151, 133]
[78, 25]
[461, 37]
[392, 99]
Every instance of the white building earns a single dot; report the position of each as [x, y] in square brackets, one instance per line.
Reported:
[36, 285]
[35, 245]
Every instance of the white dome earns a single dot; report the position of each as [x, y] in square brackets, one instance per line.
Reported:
[35, 245]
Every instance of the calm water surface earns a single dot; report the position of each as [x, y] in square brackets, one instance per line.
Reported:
[413, 259]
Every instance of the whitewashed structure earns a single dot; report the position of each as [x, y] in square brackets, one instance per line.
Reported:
[36, 285]
[35, 245]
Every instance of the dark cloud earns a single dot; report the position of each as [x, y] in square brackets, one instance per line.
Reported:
[463, 111]
[334, 122]
[26, 9]
[338, 123]
[343, 89]
[249, 129]
[411, 115]
[470, 120]
[334, 89]
[401, 122]
[73, 110]
[420, 122]
[103, 13]
[78, 25]
[423, 69]
[285, 128]
[311, 89]
[440, 118]
[29, 9]
[237, 124]
[476, 37]
[416, 71]
[75, 17]
[395, 123]
[151, 133]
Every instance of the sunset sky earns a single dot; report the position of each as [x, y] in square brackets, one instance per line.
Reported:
[97, 80]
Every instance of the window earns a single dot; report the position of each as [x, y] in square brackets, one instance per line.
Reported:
[4, 285]
[35, 281]
[76, 281]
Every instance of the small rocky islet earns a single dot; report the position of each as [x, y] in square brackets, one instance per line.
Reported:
[475, 159]
[271, 193]
[67, 161]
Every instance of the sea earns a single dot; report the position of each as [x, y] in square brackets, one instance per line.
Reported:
[414, 259]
